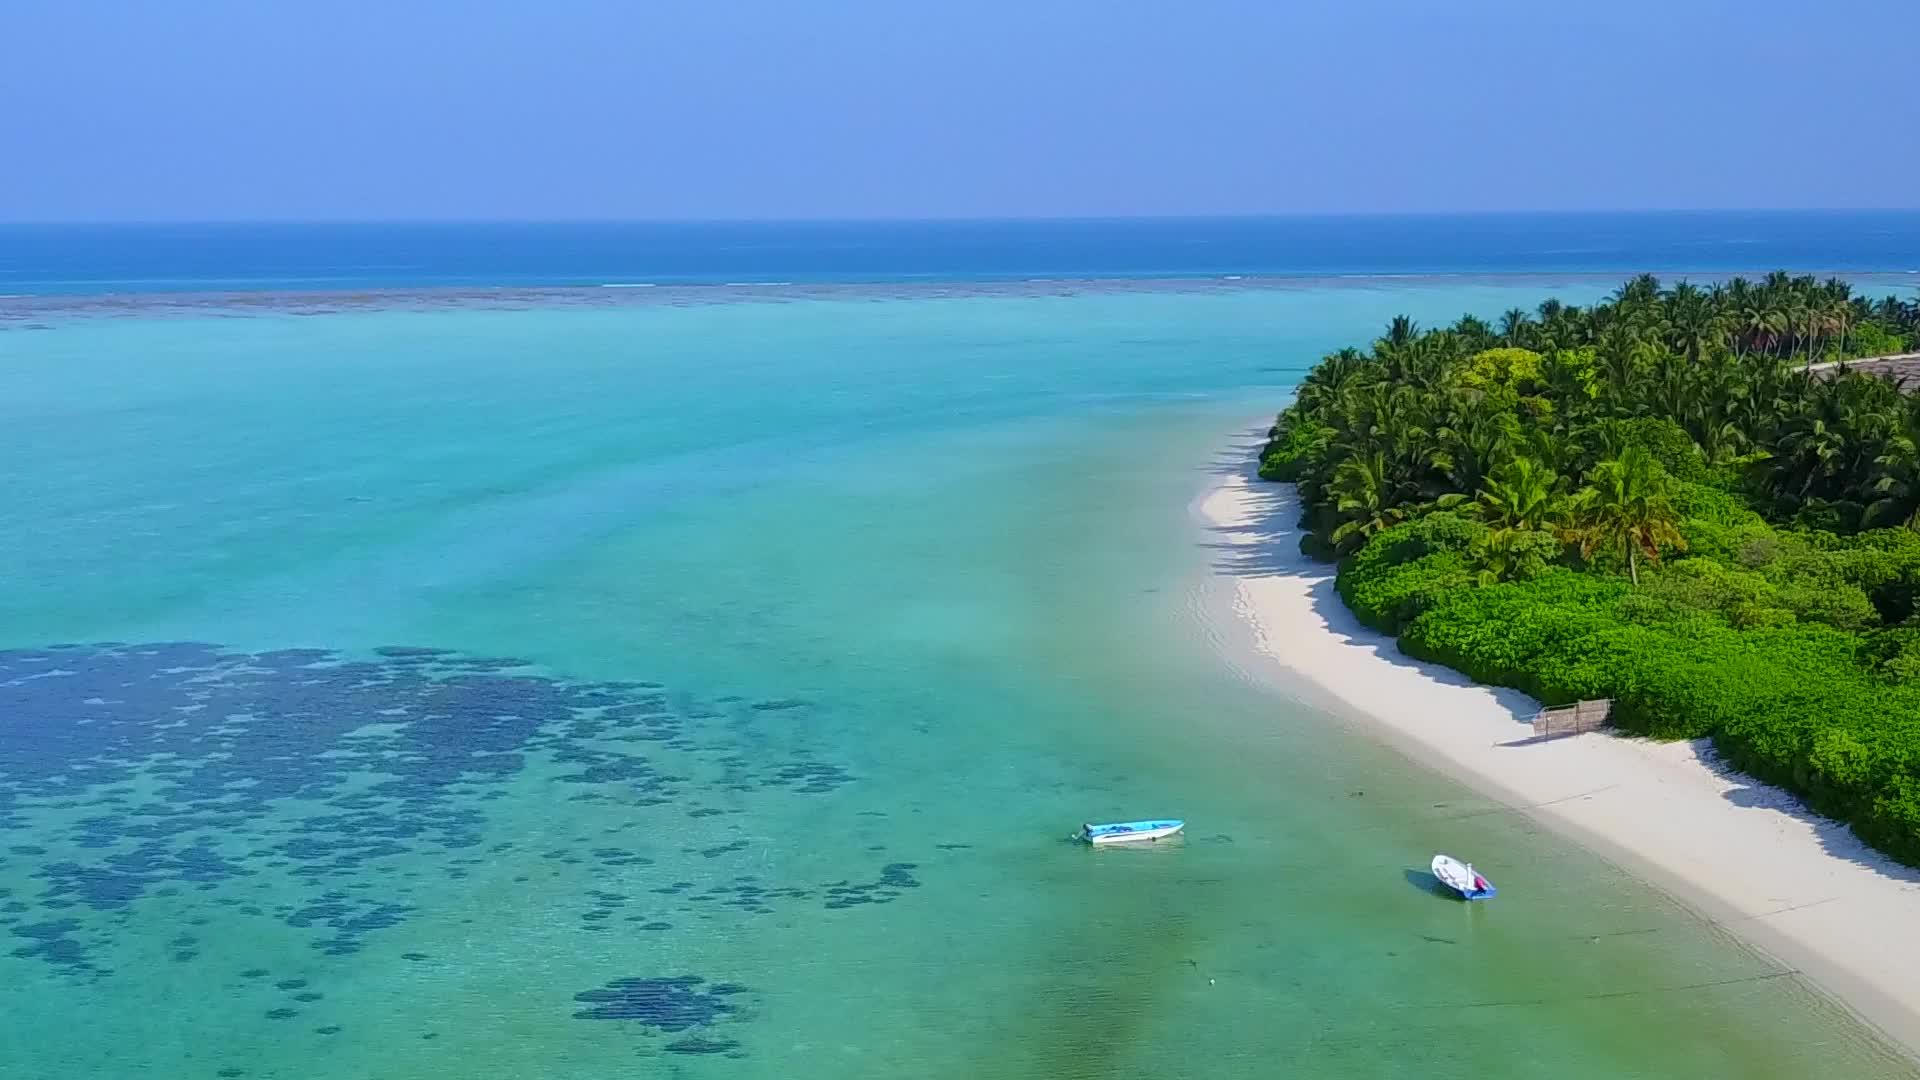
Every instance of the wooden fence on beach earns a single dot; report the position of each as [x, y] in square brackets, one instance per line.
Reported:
[1572, 719]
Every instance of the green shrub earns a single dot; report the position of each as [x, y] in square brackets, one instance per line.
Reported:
[1293, 445]
[1706, 585]
[1390, 599]
[1893, 654]
[1515, 554]
[1504, 374]
[1715, 506]
[1834, 603]
[1770, 622]
[1829, 515]
[1872, 339]
[1666, 441]
[1788, 705]
[1402, 571]
[1495, 633]
[1315, 547]
[1886, 563]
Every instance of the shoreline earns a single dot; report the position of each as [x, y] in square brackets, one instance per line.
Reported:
[1748, 858]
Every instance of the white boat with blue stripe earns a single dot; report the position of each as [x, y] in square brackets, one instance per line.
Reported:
[1463, 878]
[1130, 832]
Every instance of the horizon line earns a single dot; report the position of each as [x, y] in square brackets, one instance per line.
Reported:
[1034, 219]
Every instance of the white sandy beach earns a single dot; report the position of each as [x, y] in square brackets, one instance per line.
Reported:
[1796, 886]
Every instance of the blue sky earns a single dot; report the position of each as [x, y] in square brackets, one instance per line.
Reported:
[248, 110]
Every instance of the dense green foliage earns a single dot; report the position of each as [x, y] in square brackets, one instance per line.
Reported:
[1654, 500]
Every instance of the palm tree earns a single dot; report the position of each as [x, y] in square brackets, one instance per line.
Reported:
[1475, 332]
[1640, 291]
[1570, 381]
[1323, 384]
[1760, 323]
[1521, 494]
[1799, 318]
[1838, 296]
[1622, 361]
[1470, 446]
[1383, 415]
[1697, 326]
[1515, 325]
[1713, 412]
[1626, 505]
[1400, 431]
[1896, 489]
[1897, 485]
[1368, 496]
[1829, 448]
[1503, 554]
[1671, 387]
[1401, 332]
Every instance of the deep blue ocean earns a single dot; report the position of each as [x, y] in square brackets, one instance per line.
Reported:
[222, 257]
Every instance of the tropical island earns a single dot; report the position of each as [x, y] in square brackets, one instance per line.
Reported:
[1687, 500]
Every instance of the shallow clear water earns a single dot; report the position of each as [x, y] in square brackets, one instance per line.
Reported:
[827, 621]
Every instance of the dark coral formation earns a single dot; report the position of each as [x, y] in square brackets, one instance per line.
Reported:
[674, 1003]
[318, 789]
[226, 745]
[894, 879]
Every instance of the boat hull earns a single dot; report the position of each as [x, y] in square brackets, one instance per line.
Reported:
[1462, 879]
[1132, 832]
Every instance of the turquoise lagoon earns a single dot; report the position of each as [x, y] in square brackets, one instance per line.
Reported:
[661, 689]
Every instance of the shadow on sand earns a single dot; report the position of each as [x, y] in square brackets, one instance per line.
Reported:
[1267, 544]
